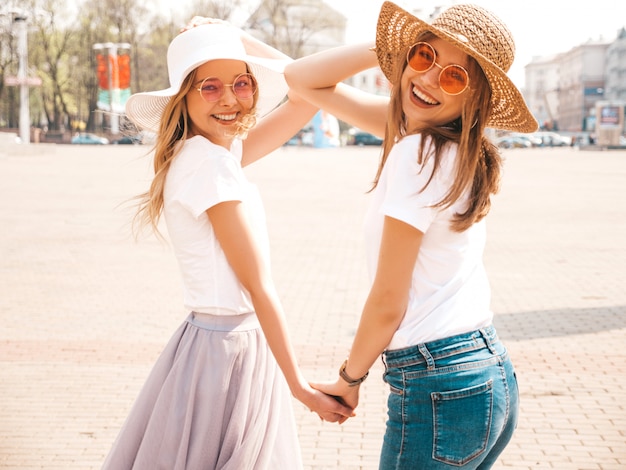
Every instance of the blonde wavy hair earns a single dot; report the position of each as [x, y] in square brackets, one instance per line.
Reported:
[478, 162]
[173, 131]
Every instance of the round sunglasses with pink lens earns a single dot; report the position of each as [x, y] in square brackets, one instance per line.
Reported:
[244, 86]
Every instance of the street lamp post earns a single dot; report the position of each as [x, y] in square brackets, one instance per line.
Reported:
[22, 79]
[22, 48]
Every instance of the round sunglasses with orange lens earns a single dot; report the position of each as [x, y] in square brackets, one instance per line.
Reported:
[212, 88]
[453, 79]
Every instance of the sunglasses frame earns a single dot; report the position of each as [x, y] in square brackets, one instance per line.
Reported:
[224, 85]
[434, 63]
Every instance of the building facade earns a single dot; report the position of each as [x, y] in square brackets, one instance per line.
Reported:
[563, 90]
[615, 86]
[542, 88]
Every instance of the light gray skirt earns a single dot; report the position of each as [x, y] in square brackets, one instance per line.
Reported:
[215, 399]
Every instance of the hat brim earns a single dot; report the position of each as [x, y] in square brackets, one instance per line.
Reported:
[397, 30]
[145, 109]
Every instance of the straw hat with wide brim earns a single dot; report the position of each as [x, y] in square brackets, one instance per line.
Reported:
[193, 48]
[478, 33]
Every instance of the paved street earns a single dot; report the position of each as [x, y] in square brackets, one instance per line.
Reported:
[85, 309]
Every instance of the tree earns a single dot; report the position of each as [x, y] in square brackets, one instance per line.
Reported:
[51, 52]
[297, 27]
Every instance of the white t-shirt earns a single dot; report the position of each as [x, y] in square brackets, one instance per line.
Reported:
[202, 175]
[450, 292]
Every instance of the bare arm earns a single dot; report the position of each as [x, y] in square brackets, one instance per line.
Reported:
[235, 236]
[281, 124]
[276, 128]
[384, 307]
[317, 78]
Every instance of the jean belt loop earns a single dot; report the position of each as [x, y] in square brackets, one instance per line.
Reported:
[489, 340]
[430, 362]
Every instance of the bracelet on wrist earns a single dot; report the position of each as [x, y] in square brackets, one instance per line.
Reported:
[351, 382]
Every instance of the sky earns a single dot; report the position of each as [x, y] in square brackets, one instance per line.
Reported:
[540, 27]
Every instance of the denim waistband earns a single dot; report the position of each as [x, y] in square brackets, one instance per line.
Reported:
[243, 322]
[483, 338]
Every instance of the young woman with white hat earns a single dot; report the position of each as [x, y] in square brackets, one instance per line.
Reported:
[219, 396]
[453, 400]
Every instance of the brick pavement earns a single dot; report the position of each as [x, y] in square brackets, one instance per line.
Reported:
[85, 309]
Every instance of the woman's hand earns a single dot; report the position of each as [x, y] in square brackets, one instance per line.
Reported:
[198, 20]
[327, 407]
[341, 391]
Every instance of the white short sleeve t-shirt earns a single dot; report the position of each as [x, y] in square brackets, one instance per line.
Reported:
[202, 175]
[450, 292]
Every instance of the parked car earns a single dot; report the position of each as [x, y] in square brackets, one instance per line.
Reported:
[303, 137]
[128, 140]
[295, 140]
[535, 141]
[88, 138]
[364, 138]
[552, 139]
[513, 142]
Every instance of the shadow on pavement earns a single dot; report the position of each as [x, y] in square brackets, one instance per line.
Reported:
[562, 322]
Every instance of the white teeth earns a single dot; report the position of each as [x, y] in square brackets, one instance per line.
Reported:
[226, 117]
[423, 97]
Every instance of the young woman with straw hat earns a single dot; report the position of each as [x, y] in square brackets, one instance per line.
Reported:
[219, 394]
[453, 400]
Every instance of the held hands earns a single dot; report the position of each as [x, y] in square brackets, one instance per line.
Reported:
[345, 389]
[333, 401]
[340, 391]
[327, 407]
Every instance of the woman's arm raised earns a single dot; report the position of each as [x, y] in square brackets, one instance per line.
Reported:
[317, 78]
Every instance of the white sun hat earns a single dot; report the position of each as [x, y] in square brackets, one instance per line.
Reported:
[194, 47]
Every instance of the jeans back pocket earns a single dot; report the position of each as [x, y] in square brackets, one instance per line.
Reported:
[462, 421]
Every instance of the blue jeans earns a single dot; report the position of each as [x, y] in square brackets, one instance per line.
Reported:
[453, 403]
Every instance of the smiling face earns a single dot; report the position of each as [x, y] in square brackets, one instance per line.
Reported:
[217, 120]
[424, 103]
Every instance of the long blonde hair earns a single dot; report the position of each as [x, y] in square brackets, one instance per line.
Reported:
[173, 131]
[478, 162]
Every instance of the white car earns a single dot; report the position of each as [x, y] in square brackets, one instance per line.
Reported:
[552, 139]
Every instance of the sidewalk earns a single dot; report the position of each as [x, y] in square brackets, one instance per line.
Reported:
[85, 309]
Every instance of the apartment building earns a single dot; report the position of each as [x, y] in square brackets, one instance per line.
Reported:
[563, 90]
